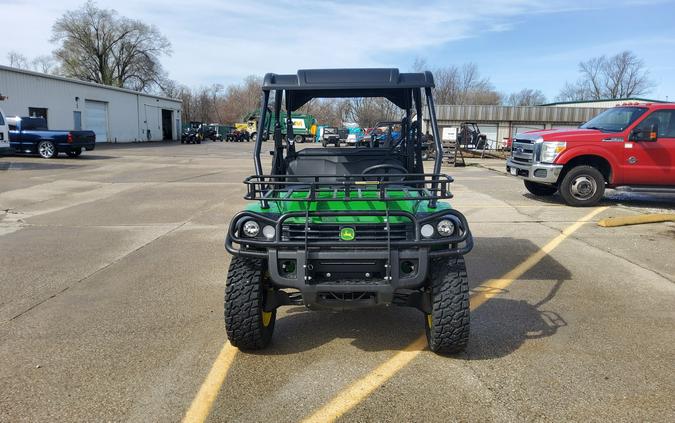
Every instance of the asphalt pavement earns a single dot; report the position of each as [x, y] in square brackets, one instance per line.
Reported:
[112, 273]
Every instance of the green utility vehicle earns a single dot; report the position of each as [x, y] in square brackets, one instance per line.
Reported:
[339, 228]
[304, 126]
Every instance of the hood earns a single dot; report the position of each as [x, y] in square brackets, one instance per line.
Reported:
[414, 207]
[569, 135]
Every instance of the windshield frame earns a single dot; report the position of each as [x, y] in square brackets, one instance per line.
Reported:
[597, 121]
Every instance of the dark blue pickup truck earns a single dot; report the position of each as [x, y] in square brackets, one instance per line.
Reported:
[30, 135]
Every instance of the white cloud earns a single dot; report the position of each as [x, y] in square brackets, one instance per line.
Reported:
[222, 41]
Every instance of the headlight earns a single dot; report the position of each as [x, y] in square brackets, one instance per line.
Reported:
[550, 150]
[445, 227]
[427, 231]
[269, 232]
[251, 228]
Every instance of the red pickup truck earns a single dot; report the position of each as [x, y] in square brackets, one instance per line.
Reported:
[629, 148]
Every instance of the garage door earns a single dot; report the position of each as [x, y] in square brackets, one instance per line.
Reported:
[490, 131]
[96, 119]
[152, 122]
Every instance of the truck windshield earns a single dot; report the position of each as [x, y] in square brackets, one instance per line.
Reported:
[615, 120]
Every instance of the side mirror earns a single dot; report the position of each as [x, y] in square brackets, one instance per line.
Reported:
[645, 134]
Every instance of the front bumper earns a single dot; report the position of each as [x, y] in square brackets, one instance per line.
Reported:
[535, 172]
[328, 269]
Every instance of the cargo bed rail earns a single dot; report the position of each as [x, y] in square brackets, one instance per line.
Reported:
[369, 187]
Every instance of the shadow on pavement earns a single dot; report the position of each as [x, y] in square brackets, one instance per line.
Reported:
[47, 165]
[143, 144]
[491, 258]
[614, 198]
[85, 157]
[499, 326]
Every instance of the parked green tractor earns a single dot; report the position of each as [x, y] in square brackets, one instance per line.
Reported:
[342, 228]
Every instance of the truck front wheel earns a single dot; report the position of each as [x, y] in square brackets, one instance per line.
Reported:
[541, 190]
[447, 326]
[582, 186]
[248, 325]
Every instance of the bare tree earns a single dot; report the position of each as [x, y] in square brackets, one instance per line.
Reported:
[44, 64]
[460, 84]
[330, 112]
[170, 88]
[17, 60]
[526, 97]
[186, 96]
[366, 112]
[420, 64]
[98, 45]
[215, 103]
[619, 76]
[241, 99]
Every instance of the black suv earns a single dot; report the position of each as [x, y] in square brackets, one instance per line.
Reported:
[330, 136]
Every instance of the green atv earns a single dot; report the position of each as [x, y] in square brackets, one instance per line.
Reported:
[340, 228]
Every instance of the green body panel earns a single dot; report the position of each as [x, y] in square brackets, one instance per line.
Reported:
[410, 206]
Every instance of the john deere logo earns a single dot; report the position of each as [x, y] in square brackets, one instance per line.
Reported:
[347, 234]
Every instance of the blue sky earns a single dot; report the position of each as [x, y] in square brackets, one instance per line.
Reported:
[516, 43]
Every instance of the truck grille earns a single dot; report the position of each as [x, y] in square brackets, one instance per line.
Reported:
[522, 151]
[331, 232]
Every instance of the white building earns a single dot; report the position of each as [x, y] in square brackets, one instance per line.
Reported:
[114, 114]
[603, 104]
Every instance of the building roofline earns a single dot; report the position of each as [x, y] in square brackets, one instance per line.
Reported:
[86, 83]
[647, 100]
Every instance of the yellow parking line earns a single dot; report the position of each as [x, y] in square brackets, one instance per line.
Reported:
[362, 388]
[494, 286]
[203, 402]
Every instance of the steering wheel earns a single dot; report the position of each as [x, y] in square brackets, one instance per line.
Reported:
[379, 167]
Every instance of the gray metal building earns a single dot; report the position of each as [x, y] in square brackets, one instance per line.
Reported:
[500, 123]
[114, 114]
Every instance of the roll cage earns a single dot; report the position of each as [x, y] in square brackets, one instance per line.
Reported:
[293, 91]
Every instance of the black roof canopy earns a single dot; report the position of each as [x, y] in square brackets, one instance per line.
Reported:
[334, 83]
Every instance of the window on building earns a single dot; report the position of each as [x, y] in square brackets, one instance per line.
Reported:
[38, 112]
